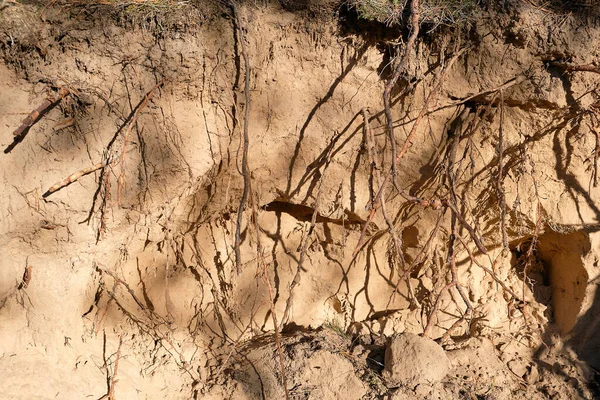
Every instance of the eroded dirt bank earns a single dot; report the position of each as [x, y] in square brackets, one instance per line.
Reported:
[119, 208]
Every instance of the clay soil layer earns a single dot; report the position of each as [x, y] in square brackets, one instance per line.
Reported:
[210, 200]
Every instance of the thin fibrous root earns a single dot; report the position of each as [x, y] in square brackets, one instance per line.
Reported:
[143, 104]
[290, 301]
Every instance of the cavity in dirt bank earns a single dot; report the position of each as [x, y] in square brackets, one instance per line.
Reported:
[558, 264]
[560, 278]
[564, 255]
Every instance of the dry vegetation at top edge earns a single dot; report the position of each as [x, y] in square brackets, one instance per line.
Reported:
[433, 12]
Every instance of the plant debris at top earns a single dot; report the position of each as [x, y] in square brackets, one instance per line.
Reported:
[435, 12]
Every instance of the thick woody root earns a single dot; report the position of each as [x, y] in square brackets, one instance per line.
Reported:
[72, 178]
[435, 204]
[246, 140]
[369, 140]
[247, 193]
[398, 69]
[36, 115]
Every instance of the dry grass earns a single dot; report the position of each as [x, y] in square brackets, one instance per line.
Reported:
[435, 12]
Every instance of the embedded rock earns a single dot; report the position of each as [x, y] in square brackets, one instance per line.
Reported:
[411, 360]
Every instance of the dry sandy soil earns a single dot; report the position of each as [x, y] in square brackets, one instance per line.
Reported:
[119, 208]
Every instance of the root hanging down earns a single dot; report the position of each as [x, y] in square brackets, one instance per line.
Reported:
[246, 141]
[369, 139]
[398, 69]
[374, 205]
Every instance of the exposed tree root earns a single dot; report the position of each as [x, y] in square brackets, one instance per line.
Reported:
[72, 178]
[489, 271]
[103, 190]
[35, 116]
[112, 379]
[576, 68]
[500, 178]
[375, 204]
[511, 82]
[369, 140]
[247, 193]
[262, 266]
[245, 170]
[132, 122]
[149, 323]
[398, 69]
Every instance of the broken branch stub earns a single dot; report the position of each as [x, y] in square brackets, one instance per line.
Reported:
[36, 115]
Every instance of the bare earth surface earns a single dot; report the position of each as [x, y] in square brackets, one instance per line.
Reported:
[123, 284]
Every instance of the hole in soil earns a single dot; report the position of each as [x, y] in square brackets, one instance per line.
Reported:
[557, 273]
[376, 358]
[304, 213]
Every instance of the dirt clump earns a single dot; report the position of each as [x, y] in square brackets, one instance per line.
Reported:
[411, 360]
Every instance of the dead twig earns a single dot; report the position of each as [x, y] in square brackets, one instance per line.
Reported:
[35, 116]
[72, 178]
